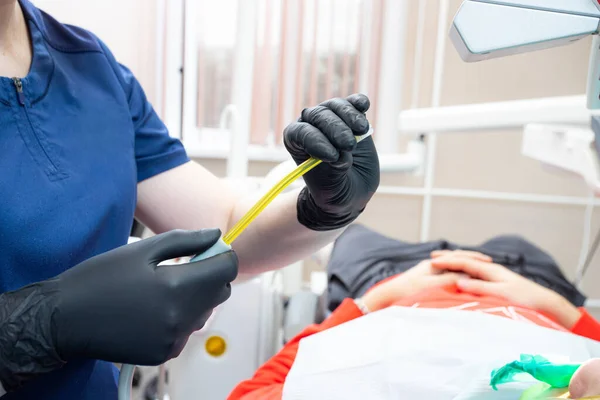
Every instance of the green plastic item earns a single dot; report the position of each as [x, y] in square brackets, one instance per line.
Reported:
[555, 375]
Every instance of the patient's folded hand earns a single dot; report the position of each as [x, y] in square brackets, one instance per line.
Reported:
[487, 278]
[418, 278]
[475, 255]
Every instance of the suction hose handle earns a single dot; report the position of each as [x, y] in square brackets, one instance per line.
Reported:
[218, 248]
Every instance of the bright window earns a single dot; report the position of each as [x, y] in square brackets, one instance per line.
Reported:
[302, 52]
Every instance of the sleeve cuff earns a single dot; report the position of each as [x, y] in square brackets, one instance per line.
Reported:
[587, 326]
[152, 166]
[345, 312]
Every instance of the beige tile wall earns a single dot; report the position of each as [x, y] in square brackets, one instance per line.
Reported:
[127, 27]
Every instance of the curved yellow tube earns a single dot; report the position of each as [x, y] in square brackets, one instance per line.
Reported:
[261, 204]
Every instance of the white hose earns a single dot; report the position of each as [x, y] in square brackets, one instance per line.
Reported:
[126, 381]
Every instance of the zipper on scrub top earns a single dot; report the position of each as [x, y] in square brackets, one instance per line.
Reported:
[19, 87]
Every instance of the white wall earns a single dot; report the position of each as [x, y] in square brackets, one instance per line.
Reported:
[126, 26]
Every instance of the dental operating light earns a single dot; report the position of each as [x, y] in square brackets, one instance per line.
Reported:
[486, 29]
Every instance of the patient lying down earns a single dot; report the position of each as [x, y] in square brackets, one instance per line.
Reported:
[448, 280]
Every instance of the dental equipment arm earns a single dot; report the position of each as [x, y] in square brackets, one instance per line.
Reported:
[297, 223]
[486, 29]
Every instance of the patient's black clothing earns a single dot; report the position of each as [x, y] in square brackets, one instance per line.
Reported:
[361, 258]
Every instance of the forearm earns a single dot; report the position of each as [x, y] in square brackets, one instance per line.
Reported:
[190, 197]
[276, 238]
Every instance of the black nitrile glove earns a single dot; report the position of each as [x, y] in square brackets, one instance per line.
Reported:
[337, 190]
[119, 306]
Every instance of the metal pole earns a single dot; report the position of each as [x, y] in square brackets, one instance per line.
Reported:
[391, 74]
[438, 80]
[243, 76]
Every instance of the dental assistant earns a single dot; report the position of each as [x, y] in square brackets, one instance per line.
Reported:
[81, 153]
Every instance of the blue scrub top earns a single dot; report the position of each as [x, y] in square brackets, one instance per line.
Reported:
[73, 147]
